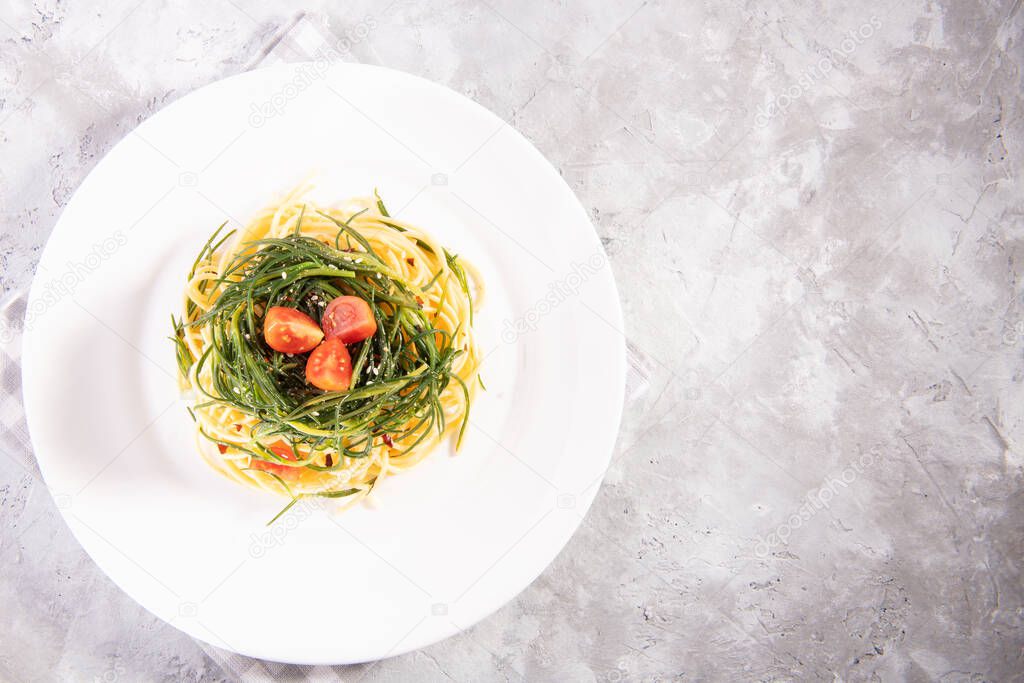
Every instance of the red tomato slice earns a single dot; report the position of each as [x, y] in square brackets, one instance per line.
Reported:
[282, 449]
[349, 319]
[329, 367]
[289, 330]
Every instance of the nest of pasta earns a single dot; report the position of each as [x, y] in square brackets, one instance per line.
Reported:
[308, 411]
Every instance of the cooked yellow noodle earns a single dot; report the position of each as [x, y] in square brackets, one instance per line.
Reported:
[409, 262]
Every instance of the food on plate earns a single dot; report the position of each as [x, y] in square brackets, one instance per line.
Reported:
[326, 348]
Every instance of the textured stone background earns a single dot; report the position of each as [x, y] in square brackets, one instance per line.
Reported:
[814, 215]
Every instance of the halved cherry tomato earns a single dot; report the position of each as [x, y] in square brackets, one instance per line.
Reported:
[289, 330]
[329, 367]
[283, 450]
[349, 319]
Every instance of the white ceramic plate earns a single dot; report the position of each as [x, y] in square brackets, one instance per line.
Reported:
[437, 548]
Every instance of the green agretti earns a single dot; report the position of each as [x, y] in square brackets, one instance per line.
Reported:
[398, 374]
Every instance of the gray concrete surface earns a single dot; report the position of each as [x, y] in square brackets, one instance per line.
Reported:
[813, 211]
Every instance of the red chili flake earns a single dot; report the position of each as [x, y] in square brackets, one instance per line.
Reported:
[222, 448]
[411, 261]
[419, 300]
[238, 428]
[388, 440]
[328, 461]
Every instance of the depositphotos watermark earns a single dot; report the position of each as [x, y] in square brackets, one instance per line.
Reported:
[815, 500]
[277, 533]
[1014, 333]
[308, 73]
[65, 284]
[816, 72]
[111, 674]
[620, 674]
[558, 292]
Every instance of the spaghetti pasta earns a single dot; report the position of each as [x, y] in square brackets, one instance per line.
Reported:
[258, 420]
